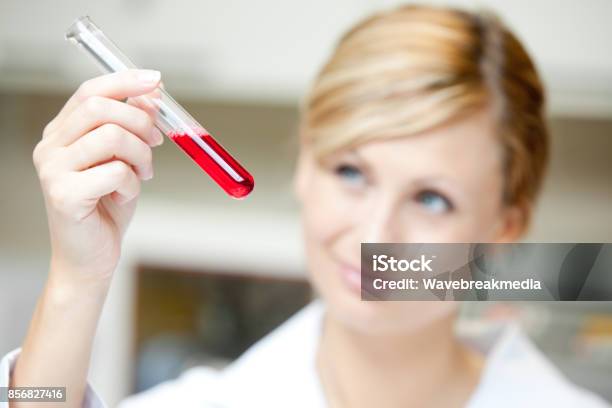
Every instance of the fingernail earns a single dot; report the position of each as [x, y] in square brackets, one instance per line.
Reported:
[148, 174]
[148, 77]
[158, 137]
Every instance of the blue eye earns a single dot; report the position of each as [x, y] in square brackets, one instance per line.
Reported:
[434, 202]
[349, 173]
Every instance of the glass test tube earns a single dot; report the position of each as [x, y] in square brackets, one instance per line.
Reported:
[170, 117]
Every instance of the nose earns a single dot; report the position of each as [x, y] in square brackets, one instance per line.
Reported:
[382, 222]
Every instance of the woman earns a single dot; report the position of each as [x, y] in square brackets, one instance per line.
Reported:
[426, 125]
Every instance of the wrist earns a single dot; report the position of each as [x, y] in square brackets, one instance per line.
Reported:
[87, 272]
[61, 292]
[69, 284]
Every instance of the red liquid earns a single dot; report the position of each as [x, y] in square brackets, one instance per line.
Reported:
[221, 167]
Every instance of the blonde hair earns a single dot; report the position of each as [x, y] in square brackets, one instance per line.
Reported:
[413, 68]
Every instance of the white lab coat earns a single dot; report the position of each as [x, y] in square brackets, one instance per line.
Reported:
[279, 371]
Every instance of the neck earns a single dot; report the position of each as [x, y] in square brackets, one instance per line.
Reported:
[399, 369]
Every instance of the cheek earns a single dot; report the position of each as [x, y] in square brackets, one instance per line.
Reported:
[318, 227]
[482, 224]
[452, 230]
[476, 223]
[324, 210]
[419, 227]
[326, 223]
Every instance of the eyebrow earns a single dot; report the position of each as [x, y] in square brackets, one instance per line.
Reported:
[353, 152]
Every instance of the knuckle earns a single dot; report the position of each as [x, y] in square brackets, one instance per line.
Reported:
[37, 154]
[85, 86]
[122, 170]
[144, 121]
[45, 174]
[114, 134]
[57, 195]
[48, 127]
[94, 104]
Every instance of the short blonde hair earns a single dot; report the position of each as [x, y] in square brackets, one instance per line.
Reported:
[413, 68]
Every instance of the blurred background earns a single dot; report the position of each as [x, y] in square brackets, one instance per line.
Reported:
[204, 276]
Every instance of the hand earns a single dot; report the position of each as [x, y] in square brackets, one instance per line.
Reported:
[90, 162]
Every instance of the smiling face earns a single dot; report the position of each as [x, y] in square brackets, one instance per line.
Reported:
[425, 125]
[443, 185]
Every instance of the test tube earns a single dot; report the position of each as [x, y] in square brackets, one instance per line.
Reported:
[170, 117]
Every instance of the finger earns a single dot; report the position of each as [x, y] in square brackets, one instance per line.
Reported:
[106, 143]
[150, 103]
[118, 85]
[97, 111]
[115, 178]
[147, 102]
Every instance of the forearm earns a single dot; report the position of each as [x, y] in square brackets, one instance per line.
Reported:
[57, 348]
[90, 162]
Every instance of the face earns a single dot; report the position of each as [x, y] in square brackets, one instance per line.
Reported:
[444, 185]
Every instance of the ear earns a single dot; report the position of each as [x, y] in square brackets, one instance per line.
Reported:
[514, 223]
[304, 169]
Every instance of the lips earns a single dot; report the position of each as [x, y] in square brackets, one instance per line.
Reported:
[351, 276]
